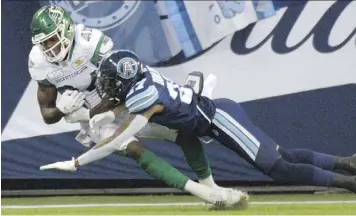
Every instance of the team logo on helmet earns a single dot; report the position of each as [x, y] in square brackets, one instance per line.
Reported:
[127, 68]
[56, 14]
[99, 14]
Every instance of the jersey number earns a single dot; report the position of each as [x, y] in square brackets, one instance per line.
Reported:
[137, 87]
[185, 94]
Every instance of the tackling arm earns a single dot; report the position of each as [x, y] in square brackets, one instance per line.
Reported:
[131, 126]
[107, 146]
[127, 130]
[46, 97]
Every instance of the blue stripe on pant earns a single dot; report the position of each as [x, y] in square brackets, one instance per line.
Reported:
[232, 128]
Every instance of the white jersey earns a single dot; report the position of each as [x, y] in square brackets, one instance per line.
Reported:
[78, 73]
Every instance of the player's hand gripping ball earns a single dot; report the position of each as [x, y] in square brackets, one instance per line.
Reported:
[70, 101]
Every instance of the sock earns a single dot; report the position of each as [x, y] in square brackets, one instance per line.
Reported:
[304, 174]
[347, 182]
[209, 181]
[303, 156]
[195, 155]
[161, 170]
[202, 191]
[209, 85]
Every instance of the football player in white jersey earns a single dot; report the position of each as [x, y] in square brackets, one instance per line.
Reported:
[63, 60]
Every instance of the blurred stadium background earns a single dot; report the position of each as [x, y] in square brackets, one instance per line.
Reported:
[291, 63]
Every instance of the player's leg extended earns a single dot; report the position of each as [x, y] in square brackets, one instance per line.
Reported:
[191, 146]
[196, 157]
[158, 168]
[161, 170]
[234, 129]
[324, 161]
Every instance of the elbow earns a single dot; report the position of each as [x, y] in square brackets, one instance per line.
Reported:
[51, 116]
[49, 120]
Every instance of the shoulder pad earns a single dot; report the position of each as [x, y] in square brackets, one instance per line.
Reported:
[88, 38]
[106, 45]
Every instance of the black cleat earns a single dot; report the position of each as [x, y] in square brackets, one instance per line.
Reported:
[346, 182]
[352, 164]
[346, 163]
[351, 184]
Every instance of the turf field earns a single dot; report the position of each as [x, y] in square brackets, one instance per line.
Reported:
[338, 204]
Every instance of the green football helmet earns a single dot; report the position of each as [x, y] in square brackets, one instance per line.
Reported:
[53, 30]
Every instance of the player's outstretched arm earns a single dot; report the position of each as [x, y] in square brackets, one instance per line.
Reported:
[130, 127]
[127, 130]
[46, 97]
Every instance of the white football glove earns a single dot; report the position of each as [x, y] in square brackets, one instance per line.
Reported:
[70, 101]
[62, 165]
[101, 119]
[209, 86]
[80, 115]
[83, 138]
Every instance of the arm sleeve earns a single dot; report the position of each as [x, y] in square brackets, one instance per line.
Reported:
[118, 143]
[95, 154]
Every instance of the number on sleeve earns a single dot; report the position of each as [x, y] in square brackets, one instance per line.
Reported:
[138, 86]
[185, 94]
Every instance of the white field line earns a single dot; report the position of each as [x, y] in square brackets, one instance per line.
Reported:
[168, 204]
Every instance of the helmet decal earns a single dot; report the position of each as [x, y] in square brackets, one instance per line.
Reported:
[127, 68]
[118, 72]
[56, 14]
